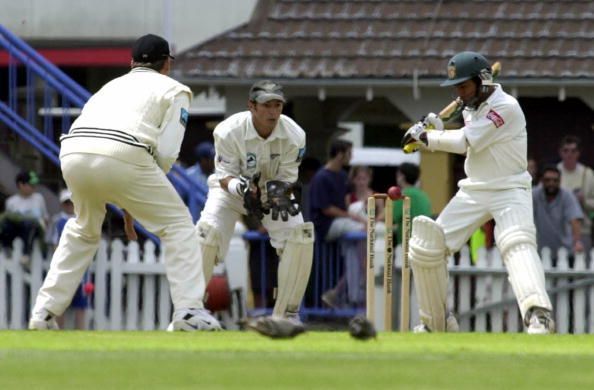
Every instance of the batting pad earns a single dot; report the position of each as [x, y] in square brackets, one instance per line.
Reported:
[428, 262]
[209, 245]
[517, 243]
[294, 269]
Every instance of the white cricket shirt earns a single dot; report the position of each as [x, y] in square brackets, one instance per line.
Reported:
[496, 156]
[241, 151]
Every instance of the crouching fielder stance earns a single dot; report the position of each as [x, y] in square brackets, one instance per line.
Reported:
[258, 153]
[497, 186]
[118, 151]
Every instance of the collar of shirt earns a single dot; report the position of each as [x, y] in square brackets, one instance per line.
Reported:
[142, 69]
[278, 132]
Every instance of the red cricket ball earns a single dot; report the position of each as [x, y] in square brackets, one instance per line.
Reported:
[394, 193]
[88, 288]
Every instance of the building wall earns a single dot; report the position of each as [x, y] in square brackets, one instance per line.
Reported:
[184, 22]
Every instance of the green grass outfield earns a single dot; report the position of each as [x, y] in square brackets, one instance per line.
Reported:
[315, 360]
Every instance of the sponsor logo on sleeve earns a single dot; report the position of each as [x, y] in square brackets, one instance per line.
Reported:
[183, 117]
[495, 118]
[300, 154]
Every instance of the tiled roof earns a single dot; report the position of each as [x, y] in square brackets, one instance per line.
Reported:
[366, 39]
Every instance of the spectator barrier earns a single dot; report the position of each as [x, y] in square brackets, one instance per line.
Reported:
[131, 290]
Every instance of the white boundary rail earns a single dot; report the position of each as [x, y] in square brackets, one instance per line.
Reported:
[132, 292]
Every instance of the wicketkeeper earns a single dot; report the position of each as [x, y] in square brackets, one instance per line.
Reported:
[497, 186]
[258, 153]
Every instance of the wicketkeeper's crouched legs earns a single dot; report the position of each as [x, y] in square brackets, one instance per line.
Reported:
[294, 269]
[429, 265]
[209, 239]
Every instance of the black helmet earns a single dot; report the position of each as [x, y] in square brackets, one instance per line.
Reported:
[467, 65]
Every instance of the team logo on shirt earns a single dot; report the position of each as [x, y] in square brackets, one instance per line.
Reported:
[495, 118]
[250, 161]
[183, 117]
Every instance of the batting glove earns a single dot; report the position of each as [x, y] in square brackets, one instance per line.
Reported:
[433, 121]
[414, 137]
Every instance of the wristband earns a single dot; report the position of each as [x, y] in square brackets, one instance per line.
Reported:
[234, 187]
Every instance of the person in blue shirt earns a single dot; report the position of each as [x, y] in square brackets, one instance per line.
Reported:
[199, 172]
[330, 215]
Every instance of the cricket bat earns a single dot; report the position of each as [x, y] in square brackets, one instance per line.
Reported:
[452, 109]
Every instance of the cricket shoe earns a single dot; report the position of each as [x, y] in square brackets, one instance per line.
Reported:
[190, 320]
[43, 320]
[540, 321]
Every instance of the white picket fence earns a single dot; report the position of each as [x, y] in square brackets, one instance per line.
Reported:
[482, 299]
[132, 292]
[131, 288]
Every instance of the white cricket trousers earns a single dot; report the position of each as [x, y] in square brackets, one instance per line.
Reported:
[222, 211]
[143, 190]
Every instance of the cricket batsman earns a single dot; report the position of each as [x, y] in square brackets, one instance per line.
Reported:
[497, 185]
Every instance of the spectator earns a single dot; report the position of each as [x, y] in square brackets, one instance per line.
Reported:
[557, 215]
[360, 181]
[533, 171]
[204, 167]
[25, 215]
[579, 179]
[308, 168]
[407, 177]
[80, 302]
[328, 191]
[483, 237]
[329, 213]
[350, 287]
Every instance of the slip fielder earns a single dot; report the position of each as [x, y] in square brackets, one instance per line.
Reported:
[118, 151]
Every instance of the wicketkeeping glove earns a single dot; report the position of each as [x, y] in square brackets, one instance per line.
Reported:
[252, 197]
[276, 328]
[248, 189]
[361, 328]
[281, 200]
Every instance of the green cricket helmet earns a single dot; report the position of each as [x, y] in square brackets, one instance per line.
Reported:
[467, 65]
